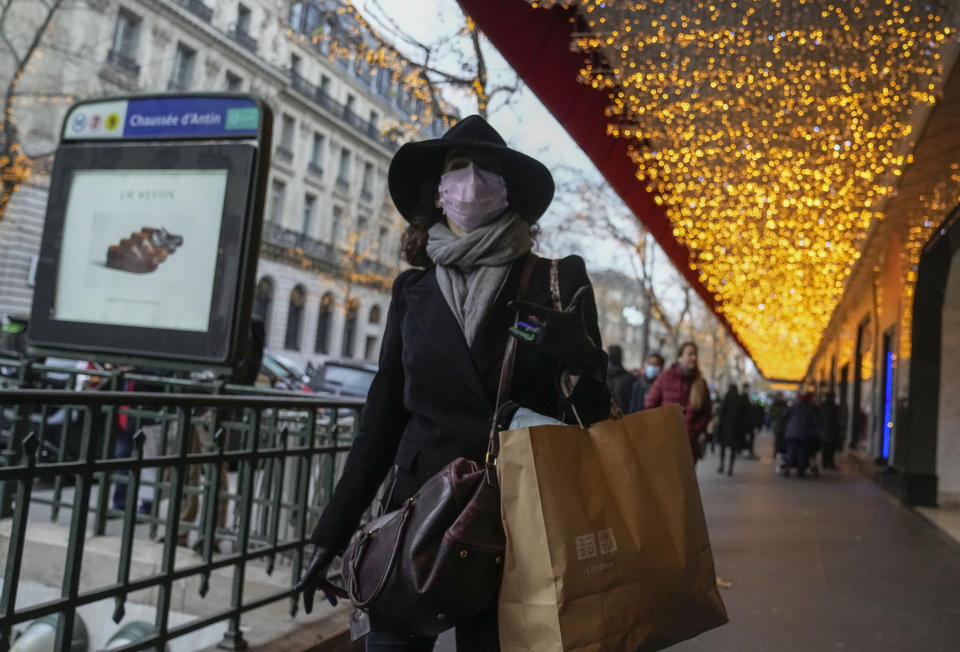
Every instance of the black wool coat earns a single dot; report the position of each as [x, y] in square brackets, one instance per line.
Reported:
[433, 397]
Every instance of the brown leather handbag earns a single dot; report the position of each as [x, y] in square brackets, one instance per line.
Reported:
[438, 560]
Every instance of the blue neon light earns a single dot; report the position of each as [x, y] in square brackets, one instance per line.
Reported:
[888, 404]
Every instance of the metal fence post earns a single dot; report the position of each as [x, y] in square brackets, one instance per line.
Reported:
[233, 637]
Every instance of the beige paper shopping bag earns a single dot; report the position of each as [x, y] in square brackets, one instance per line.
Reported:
[607, 546]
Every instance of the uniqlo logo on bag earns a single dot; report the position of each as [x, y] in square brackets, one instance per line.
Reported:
[586, 546]
[607, 541]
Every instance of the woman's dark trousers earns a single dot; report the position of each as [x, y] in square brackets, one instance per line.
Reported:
[733, 456]
[479, 635]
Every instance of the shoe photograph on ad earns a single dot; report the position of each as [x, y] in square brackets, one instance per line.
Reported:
[143, 251]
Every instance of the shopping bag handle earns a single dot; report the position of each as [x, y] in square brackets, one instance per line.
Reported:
[506, 371]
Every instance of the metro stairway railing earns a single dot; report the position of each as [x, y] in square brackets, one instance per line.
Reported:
[282, 452]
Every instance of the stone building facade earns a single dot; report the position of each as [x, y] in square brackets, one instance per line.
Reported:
[331, 235]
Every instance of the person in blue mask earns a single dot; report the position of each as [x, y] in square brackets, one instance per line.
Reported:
[651, 369]
[471, 203]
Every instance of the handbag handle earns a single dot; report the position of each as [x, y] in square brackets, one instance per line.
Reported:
[353, 589]
[509, 362]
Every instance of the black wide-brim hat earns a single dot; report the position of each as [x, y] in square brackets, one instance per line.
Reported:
[529, 182]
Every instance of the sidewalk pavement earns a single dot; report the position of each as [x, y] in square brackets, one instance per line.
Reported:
[832, 563]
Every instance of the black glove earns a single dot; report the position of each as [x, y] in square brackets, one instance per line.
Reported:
[561, 334]
[315, 578]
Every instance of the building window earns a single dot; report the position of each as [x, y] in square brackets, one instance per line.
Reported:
[370, 348]
[374, 121]
[278, 192]
[350, 329]
[324, 84]
[126, 39]
[296, 64]
[336, 225]
[316, 153]
[234, 83]
[384, 81]
[262, 302]
[366, 190]
[324, 324]
[360, 244]
[374, 316]
[285, 148]
[243, 19]
[309, 203]
[294, 318]
[343, 172]
[181, 78]
[348, 107]
[381, 238]
[296, 16]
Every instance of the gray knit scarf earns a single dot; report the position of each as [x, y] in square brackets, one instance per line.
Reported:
[472, 269]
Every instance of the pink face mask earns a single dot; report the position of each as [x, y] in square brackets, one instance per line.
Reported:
[472, 197]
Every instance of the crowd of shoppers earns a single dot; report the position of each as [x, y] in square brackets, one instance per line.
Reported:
[731, 423]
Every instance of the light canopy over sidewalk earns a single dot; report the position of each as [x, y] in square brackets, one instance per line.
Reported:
[758, 140]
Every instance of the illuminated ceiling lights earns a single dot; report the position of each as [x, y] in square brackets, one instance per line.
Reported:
[772, 131]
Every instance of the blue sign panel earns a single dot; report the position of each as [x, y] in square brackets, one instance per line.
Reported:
[164, 118]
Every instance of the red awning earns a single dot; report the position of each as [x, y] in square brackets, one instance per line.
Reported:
[536, 42]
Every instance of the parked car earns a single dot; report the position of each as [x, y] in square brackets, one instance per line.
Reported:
[295, 370]
[276, 372]
[344, 378]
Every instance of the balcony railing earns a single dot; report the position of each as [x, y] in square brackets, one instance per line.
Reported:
[245, 40]
[254, 470]
[322, 99]
[315, 168]
[284, 153]
[197, 8]
[323, 252]
[124, 62]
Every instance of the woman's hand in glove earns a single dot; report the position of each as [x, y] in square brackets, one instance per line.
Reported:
[315, 578]
[561, 334]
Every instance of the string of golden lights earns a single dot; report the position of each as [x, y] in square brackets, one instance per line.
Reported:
[773, 131]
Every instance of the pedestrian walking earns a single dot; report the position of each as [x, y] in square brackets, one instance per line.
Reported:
[651, 369]
[801, 435]
[779, 411]
[620, 382]
[730, 427]
[746, 422]
[682, 384]
[470, 202]
[829, 429]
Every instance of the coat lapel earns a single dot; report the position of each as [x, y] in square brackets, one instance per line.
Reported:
[440, 328]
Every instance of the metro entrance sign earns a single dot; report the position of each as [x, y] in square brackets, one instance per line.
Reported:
[152, 231]
[164, 117]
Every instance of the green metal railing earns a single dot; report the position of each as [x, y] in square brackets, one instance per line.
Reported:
[281, 451]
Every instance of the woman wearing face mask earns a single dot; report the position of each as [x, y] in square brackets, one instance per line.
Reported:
[651, 369]
[471, 203]
[681, 384]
